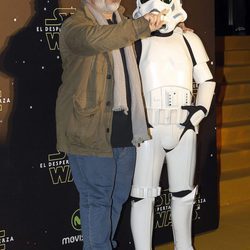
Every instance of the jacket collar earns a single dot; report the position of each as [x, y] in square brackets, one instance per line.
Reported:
[85, 10]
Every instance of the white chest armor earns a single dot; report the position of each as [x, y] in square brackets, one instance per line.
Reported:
[166, 70]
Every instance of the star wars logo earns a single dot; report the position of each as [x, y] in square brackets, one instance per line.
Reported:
[52, 26]
[163, 209]
[3, 100]
[4, 239]
[59, 169]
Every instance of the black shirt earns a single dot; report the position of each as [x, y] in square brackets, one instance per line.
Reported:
[122, 134]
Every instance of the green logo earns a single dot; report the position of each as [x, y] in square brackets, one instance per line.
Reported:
[76, 221]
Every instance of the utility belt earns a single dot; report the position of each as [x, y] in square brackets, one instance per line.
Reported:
[164, 105]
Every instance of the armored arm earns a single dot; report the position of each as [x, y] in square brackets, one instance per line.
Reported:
[203, 77]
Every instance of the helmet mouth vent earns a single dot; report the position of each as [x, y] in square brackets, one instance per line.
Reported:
[155, 10]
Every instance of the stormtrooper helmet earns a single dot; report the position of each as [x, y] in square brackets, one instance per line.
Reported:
[175, 14]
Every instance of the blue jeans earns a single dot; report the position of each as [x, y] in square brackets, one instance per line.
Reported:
[104, 185]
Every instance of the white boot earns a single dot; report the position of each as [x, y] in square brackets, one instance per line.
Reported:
[181, 214]
[142, 223]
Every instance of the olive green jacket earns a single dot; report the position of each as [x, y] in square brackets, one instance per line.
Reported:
[85, 98]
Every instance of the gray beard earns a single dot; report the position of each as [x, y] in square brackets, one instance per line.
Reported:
[103, 7]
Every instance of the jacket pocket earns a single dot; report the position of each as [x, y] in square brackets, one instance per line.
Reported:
[84, 127]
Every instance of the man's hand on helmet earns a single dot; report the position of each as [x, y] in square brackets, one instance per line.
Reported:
[156, 20]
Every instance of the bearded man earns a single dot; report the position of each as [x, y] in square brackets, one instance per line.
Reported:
[99, 112]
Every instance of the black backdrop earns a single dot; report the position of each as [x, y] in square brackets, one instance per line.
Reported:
[38, 200]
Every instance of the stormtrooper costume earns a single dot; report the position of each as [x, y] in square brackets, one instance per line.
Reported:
[170, 61]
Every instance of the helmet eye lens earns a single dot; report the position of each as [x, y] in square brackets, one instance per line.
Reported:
[167, 1]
